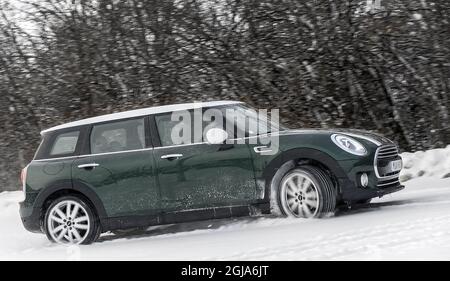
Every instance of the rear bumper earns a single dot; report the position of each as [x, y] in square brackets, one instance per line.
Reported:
[30, 217]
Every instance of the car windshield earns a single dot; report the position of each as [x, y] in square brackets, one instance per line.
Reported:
[256, 123]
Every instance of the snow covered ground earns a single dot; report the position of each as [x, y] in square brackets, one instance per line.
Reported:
[413, 224]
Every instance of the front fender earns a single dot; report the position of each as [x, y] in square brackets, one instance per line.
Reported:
[300, 153]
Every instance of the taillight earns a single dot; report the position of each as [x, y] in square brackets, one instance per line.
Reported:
[23, 178]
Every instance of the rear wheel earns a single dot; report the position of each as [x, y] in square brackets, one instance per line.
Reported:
[71, 220]
[305, 192]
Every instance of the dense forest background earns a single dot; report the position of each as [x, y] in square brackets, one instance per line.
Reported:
[381, 65]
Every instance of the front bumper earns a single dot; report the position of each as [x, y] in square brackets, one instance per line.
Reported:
[382, 192]
[351, 192]
[382, 175]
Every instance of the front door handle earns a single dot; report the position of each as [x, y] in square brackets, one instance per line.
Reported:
[88, 166]
[262, 149]
[171, 157]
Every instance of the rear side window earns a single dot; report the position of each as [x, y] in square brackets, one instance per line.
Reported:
[118, 136]
[65, 144]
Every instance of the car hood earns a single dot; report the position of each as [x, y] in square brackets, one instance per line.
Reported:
[368, 136]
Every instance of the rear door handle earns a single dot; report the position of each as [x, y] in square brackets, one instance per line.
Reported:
[171, 156]
[88, 166]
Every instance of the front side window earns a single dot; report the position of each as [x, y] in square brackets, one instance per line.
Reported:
[179, 128]
[118, 136]
[166, 128]
[254, 122]
[183, 127]
[65, 144]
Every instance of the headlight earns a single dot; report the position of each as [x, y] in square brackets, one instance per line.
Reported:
[349, 144]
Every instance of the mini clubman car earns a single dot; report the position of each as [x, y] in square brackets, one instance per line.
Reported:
[125, 170]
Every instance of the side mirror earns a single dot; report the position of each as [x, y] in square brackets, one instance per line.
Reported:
[216, 136]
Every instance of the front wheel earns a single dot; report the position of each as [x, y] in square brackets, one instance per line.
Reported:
[305, 192]
[71, 220]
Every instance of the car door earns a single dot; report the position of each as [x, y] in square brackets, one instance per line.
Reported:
[198, 174]
[120, 168]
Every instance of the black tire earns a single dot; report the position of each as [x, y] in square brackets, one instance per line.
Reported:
[325, 193]
[94, 230]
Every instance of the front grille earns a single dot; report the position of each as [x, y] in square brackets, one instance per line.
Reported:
[388, 183]
[384, 155]
[387, 151]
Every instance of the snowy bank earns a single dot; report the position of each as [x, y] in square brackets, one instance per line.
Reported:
[433, 163]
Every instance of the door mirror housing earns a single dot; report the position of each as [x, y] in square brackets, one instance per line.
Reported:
[216, 136]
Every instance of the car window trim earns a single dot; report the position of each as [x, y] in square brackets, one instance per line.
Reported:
[179, 145]
[152, 139]
[125, 151]
[91, 155]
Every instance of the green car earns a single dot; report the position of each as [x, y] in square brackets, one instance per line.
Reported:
[125, 170]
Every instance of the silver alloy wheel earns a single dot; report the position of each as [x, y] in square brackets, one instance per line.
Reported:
[68, 222]
[299, 195]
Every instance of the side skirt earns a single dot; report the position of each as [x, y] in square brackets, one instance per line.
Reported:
[125, 222]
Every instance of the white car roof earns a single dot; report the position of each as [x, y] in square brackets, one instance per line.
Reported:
[139, 112]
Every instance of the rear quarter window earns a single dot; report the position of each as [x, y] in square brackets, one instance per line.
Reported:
[65, 144]
[58, 144]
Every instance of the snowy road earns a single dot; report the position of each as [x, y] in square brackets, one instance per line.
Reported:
[412, 224]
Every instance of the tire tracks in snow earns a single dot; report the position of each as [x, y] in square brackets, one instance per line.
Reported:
[371, 240]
